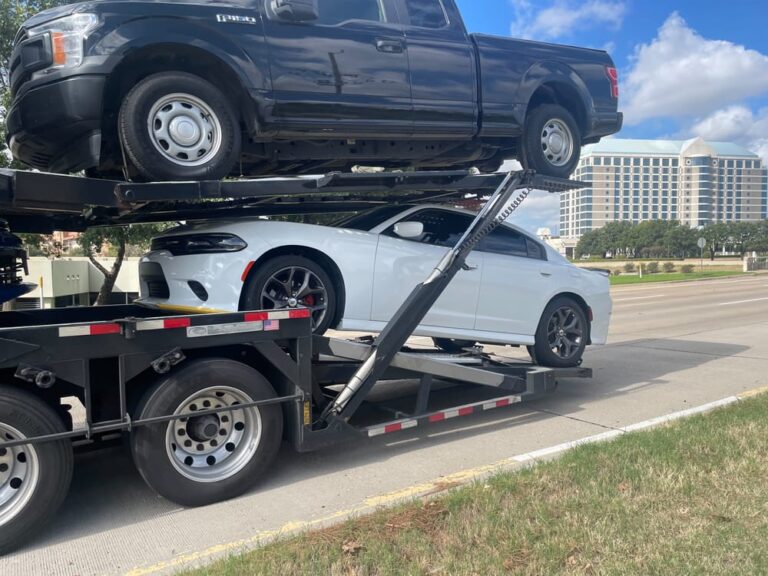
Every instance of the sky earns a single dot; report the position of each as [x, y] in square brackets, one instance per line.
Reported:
[687, 67]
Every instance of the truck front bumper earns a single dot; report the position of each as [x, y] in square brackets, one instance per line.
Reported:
[56, 127]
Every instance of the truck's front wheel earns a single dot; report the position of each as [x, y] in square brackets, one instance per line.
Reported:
[34, 479]
[551, 142]
[177, 126]
[197, 460]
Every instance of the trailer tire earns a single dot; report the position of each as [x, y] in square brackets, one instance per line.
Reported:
[34, 480]
[199, 461]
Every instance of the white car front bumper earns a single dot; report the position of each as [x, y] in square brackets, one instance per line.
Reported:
[202, 282]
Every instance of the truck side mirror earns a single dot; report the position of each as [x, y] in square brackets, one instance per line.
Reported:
[296, 10]
[409, 230]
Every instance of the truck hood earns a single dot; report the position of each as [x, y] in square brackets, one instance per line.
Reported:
[53, 14]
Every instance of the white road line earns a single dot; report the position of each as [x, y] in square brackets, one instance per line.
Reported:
[638, 298]
[742, 302]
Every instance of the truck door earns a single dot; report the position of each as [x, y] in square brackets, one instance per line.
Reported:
[345, 73]
[443, 77]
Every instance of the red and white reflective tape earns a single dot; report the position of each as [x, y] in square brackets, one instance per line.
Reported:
[393, 427]
[89, 330]
[164, 324]
[279, 315]
[445, 415]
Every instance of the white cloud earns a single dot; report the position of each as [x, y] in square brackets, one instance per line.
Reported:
[563, 17]
[681, 73]
[736, 124]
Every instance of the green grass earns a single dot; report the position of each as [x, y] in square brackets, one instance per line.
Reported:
[689, 498]
[675, 276]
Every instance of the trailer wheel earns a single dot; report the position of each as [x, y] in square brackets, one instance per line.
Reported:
[34, 480]
[198, 460]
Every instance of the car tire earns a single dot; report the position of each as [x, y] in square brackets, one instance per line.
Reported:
[551, 141]
[199, 461]
[451, 345]
[177, 126]
[262, 290]
[562, 334]
[34, 479]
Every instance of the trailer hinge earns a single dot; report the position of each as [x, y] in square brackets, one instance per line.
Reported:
[164, 363]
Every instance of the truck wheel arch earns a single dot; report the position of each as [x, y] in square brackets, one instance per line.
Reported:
[155, 58]
[557, 84]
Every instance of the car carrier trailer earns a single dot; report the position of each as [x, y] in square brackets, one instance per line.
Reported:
[205, 400]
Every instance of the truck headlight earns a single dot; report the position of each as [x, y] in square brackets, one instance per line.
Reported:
[67, 38]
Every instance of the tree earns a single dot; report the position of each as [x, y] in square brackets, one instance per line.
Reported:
[716, 236]
[119, 237]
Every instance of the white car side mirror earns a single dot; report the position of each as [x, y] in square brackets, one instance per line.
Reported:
[409, 230]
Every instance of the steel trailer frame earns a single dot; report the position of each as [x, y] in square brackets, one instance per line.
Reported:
[101, 354]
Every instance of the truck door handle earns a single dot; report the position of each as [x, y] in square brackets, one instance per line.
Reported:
[389, 46]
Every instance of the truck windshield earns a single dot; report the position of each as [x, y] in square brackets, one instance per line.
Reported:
[370, 219]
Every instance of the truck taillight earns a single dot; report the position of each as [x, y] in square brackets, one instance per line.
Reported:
[613, 76]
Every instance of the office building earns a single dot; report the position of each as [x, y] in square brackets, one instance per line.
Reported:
[694, 181]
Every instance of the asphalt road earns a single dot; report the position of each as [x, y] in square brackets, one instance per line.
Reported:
[673, 346]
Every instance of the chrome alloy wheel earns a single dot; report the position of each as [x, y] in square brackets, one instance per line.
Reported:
[565, 332]
[557, 142]
[296, 286]
[184, 129]
[19, 475]
[214, 447]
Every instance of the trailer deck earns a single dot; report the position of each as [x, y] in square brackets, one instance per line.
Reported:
[202, 395]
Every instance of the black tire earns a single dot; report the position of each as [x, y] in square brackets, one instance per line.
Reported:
[31, 417]
[212, 115]
[322, 319]
[452, 346]
[550, 348]
[533, 155]
[159, 465]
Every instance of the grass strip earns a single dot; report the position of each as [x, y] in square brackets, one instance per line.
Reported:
[674, 277]
[687, 498]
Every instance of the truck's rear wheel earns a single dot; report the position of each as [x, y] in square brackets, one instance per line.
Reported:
[551, 142]
[198, 460]
[34, 479]
[177, 126]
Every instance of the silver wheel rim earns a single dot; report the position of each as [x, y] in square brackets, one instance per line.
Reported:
[184, 129]
[19, 475]
[557, 142]
[294, 286]
[565, 333]
[215, 447]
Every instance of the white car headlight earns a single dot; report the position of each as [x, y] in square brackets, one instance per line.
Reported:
[67, 38]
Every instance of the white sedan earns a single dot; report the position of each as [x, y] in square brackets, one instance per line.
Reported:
[354, 276]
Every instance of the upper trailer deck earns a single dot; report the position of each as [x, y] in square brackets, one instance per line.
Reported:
[41, 202]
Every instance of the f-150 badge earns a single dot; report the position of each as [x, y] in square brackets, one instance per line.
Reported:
[236, 19]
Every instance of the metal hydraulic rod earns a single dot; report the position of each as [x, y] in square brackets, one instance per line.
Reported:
[499, 206]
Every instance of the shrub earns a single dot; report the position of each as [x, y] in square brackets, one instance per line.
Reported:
[668, 267]
[616, 272]
[652, 268]
[629, 268]
[687, 269]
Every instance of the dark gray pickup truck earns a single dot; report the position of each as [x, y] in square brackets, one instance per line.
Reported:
[172, 90]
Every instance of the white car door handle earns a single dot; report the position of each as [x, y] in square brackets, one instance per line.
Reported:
[545, 274]
[469, 267]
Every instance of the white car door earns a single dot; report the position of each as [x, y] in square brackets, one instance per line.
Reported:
[517, 283]
[402, 264]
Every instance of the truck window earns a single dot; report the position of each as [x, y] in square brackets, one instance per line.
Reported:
[337, 11]
[427, 13]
